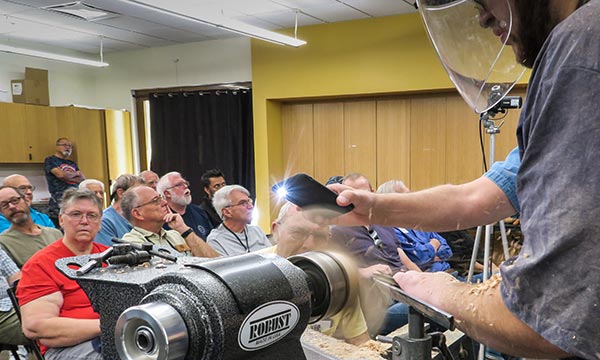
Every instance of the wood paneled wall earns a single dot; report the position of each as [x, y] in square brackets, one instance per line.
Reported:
[424, 140]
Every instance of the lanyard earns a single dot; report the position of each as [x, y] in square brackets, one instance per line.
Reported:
[246, 247]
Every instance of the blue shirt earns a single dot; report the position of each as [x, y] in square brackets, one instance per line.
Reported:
[504, 175]
[416, 245]
[113, 225]
[37, 217]
[197, 219]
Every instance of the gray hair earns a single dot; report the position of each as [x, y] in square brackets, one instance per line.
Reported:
[86, 182]
[283, 212]
[128, 202]
[222, 197]
[165, 182]
[72, 195]
[124, 182]
[392, 186]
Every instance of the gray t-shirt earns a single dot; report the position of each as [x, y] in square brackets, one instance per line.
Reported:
[226, 243]
[554, 283]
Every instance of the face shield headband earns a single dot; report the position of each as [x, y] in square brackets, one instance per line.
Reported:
[470, 38]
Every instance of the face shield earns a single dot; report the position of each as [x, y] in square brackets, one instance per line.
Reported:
[470, 38]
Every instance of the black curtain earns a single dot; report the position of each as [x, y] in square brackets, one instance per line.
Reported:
[192, 132]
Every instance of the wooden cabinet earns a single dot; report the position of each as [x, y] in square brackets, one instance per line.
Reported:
[29, 132]
[86, 130]
[99, 137]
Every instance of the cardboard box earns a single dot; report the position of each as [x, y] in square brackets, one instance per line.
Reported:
[32, 90]
[36, 74]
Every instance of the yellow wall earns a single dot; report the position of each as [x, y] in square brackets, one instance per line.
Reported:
[387, 55]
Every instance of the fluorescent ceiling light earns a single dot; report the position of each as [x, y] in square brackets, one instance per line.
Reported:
[224, 23]
[82, 10]
[51, 56]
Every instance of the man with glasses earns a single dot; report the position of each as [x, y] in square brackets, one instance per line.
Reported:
[150, 178]
[294, 234]
[22, 184]
[61, 174]
[235, 236]
[24, 237]
[176, 190]
[147, 211]
[212, 180]
[114, 223]
[55, 310]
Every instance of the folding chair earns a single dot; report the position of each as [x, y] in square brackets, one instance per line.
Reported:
[32, 344]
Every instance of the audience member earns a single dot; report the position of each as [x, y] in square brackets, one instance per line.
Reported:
[114, 223]
[375, 245]
[95, 186]
[55, 310]
[22, 184]
[150, 178]
[147, 211]
[23, 238]
[293, 234]
[212, 180]
[61, 174]
[235, 236]
[176, 190]
[10, 325]
[429, 250]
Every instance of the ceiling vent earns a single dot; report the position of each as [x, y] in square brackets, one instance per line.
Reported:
[82, 10]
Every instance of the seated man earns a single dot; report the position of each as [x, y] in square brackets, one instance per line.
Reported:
[429, 250]
[23, 238]
[212, 180]
[10, 326]
[95, 186]
[55, 310]
[147, 211]
[24, 186]
[150, 178]
[293, 234]
[176, 190]
[234, 236]
[114, 223]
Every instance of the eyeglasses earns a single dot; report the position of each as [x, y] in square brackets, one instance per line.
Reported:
[65, 145]
[245, 203]
[12, 201]
[78, 216]
[155, 200]
[23, 188]
[180, 184]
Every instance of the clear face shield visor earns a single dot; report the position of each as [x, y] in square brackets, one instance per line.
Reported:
[470, 38]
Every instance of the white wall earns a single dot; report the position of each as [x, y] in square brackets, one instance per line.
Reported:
[202, 63]
[67, 83]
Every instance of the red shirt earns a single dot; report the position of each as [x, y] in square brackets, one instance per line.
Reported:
[40, 277]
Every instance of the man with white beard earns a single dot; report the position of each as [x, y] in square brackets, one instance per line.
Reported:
[176, 191]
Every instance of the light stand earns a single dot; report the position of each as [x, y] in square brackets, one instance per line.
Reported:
[508, 102]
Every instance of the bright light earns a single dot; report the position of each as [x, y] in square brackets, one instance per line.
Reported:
[51, 56]
[281, 192]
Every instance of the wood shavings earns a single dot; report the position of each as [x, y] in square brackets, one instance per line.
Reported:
[339, 349]
[491, 283]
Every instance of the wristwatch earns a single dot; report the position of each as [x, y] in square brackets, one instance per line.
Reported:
[187, 233]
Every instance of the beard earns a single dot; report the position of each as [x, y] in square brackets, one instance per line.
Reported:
[19, 219]
[536, 21]
[66, 153]
[183, 200]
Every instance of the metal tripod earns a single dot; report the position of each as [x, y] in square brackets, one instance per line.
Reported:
[491, 129]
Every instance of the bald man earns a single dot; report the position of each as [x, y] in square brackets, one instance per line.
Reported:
[22, 184]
